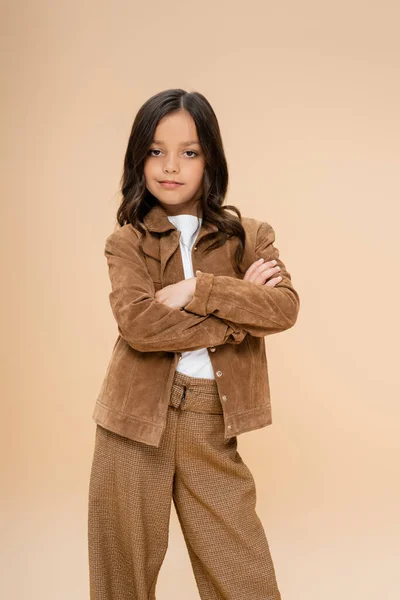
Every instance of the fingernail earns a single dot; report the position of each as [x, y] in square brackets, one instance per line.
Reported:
[260, 260]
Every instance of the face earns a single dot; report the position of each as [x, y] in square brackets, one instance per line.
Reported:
[176, 155]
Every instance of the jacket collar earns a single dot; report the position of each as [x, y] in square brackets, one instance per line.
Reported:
[156, 219]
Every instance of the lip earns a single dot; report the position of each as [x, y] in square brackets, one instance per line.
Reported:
[170, 184]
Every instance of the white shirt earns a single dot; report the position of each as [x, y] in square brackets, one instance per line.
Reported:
[195, 363]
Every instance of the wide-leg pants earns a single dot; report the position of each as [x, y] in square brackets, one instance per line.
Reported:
[130, 492]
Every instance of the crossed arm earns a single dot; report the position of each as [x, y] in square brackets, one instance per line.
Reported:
[223, 309]
[146, 324]
[260, 309]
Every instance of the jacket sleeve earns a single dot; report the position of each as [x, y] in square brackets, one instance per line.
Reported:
[260, 309]
[146, 324]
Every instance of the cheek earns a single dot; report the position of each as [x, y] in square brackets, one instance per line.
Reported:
[196, 173]
[151, 163]
[149, 180]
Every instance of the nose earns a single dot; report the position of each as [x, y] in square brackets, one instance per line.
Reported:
[171, 164]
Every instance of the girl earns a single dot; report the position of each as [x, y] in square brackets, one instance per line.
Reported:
[195, 290]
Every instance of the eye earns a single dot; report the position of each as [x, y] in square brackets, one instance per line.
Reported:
[156, 150]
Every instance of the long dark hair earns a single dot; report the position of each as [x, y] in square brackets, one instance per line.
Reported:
[136, 198]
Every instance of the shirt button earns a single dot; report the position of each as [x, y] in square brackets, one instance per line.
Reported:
[219, 373]
[212, 349]
[224, 398]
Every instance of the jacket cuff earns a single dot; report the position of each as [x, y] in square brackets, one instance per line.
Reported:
[198, 304]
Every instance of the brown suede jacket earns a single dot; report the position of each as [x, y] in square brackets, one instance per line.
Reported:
[227, 315]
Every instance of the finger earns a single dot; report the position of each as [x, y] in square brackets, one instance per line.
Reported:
[268, 271]
[272, 282]
[265, 272]
[253, 269]
[257, 267]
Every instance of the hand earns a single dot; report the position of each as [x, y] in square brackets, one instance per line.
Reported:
[260, 271]
[178, 294]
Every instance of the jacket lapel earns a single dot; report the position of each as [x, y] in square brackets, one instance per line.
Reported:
[166, 248]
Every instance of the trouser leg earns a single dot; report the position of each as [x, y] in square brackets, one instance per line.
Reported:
[130, 495]
[215, 498]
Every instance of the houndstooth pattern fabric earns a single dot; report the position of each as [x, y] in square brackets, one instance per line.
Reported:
[130, 492]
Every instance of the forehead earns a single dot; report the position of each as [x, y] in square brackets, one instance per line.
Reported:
[184, 143]
[177, 128]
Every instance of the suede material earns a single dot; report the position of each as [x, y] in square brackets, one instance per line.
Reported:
[229, 316]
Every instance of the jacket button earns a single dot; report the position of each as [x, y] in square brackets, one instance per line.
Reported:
[195, 248]
[212, 349]
[224, 398]
[229, 426]
[219, 373]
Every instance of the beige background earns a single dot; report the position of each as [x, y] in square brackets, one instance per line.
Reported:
[307, 95]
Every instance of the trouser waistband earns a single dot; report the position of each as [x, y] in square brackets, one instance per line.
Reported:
[195, 394]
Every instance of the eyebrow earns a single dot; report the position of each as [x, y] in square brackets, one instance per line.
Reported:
[189, 143]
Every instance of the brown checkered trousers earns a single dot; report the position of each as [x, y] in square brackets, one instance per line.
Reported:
[130, 491]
